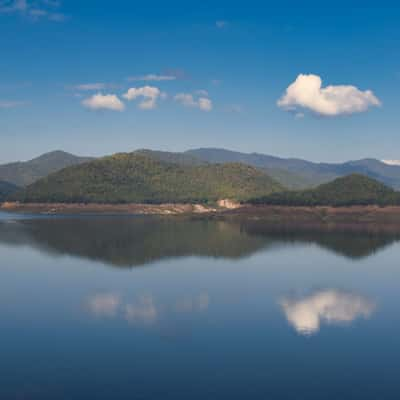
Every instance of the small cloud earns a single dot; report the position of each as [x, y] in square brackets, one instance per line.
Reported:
[188, 100]
[150, 95]
[306, 92]
[152, 78]
[331, 306]
[216, 82]
[391, 162]
[220, 24]
[107, 102]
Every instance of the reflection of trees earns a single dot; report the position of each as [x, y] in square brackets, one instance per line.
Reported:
[133, 241]
[353, 241]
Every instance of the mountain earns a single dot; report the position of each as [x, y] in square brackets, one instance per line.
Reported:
[301, 173]
[285, 178]
[350, 190]
[6, 189]
[138, 178]
[173, 157]
[24, 173]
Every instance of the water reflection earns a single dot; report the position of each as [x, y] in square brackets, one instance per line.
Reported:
[103, 304]
[127, 241]
[144, 309]
[330, 306]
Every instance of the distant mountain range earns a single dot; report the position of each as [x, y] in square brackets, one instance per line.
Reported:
[23, 173]
[292, 173]
[138, 178]
[296, 173]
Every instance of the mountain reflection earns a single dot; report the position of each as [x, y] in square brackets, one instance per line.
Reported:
[330, 306]
[135, 241]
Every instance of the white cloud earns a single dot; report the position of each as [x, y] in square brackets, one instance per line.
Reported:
[35, 10]
[391, 162]
[330, 306]
[188, 100]
[107, 102]
[152, 78]
[205, 104]
[149, 95]
[306, 92]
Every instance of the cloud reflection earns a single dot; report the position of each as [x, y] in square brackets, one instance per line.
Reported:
[330, 306]
[104, 304]
[144, 309]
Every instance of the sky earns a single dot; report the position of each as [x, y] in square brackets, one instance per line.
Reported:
[293, 79]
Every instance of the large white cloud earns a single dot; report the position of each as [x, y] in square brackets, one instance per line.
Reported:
[107, 102]
[188, 100]
[306, 92]
[150, 94]
[331, 306]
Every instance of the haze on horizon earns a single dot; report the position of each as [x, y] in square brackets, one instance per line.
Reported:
[311, 81]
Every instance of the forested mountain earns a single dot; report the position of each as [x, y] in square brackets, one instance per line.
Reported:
[24, 173]
[350, 190]
[287, 179]
[139, 178]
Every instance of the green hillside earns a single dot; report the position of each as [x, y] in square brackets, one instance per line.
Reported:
[286, 178]
[6, 189]
[26, 172]
[137, 178]
[350, 190]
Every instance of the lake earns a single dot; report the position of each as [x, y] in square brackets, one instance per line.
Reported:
[113, 307]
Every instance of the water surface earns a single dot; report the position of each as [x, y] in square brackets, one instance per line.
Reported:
[172, 308]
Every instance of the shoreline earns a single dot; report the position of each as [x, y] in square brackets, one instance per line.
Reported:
[95, 208]
[326, 214]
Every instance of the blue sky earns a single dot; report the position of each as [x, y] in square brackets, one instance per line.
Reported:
[201, 74]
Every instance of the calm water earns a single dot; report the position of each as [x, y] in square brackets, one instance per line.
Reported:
[146, 308]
